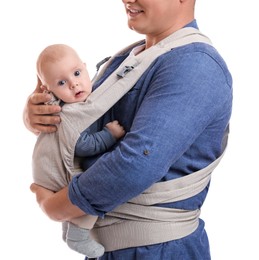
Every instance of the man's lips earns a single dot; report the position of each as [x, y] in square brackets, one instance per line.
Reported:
[133, 12]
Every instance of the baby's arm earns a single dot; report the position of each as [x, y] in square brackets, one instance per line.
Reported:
[90, 144]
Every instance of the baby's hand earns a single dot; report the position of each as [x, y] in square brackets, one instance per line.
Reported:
[116, 129]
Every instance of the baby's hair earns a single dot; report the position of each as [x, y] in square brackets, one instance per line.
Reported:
[52, 53]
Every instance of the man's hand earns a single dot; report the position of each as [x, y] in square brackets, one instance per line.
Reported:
[39, 117]
[56, 205]
[41, 193]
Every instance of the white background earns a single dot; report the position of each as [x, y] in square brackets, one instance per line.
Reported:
[97, 29]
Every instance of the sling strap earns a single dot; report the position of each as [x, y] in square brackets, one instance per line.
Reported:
[138, 222]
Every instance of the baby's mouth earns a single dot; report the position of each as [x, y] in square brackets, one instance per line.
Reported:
[79, 93]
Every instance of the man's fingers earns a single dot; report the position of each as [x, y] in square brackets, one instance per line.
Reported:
[46, 120]
[45, 109]
[39, 98]
[45, 128]
[46, 124]
[33, 187]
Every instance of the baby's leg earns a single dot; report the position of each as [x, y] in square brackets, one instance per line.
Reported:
[79, 239]
[64, 230]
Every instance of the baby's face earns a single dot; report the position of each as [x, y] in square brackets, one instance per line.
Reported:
[68, 79]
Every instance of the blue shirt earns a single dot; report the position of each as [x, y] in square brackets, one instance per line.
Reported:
[176, 117]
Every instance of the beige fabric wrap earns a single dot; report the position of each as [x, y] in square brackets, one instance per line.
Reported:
[138, 223]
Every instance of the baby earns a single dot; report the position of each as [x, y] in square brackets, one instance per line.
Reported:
[64, 76]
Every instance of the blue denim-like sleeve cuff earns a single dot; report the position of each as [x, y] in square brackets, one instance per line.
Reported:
[78, 199]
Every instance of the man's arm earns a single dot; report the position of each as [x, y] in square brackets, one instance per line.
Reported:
[56, 206]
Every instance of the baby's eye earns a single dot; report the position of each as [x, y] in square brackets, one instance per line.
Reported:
[61, 82]
[77, 73]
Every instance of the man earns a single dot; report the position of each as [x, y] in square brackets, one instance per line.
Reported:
[176, 118]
